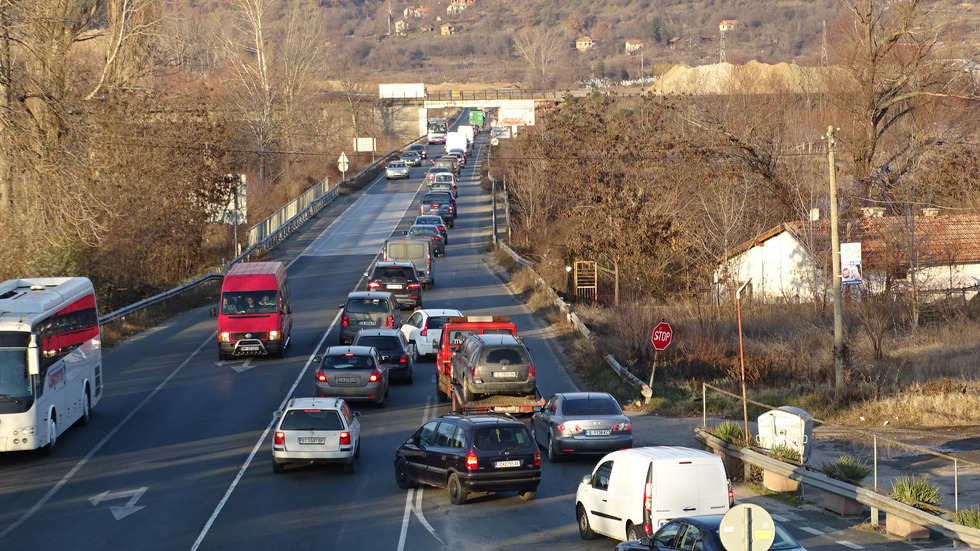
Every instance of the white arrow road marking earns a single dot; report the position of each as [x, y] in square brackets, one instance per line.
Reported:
[126, 510]
[238, 365]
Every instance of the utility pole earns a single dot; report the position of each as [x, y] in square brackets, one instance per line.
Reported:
[722, 57]
[835, 255]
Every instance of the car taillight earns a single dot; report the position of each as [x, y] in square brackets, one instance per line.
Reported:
[731, 495]
[648, 506]
[537, 459]
[442, 228]
[344, 321]
[375, 376]
[623, 427]
[530, 371]
[320, 376]
[390, 322]
[280, 439]
[450, 208]
[424, 332]
[374, 285]
[472, 463]
[413, 286]
[475, 372]
[403, 359]
[345, 438]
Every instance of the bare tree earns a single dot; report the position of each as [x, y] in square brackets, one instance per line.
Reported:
[542, 51]
[131, 29]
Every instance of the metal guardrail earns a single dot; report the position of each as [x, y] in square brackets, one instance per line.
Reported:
[805, 475]
[125, 311]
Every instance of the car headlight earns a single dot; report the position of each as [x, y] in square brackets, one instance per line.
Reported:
[224, 337]
[273, 335]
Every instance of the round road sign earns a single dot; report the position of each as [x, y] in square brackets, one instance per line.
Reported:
[662, 335]
[494, 141]
[747, 527]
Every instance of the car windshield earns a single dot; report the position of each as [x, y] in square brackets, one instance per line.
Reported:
[380, 342]
[500, 438]
[509, 355]
[367, 305]
[591, 406]
[311, 419]
[397, 164]
[346, 361]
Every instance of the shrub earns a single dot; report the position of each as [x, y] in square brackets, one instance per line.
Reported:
[847, 468]
[782, 451]
[968, 517]
[730, 432]
[916, 491]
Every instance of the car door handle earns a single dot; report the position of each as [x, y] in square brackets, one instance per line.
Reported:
[690, 508]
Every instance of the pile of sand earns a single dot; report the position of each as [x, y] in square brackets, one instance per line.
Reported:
[751, 78]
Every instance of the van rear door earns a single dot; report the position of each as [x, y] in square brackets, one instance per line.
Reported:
[687, 488]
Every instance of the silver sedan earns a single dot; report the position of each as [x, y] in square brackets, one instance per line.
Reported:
[581, 422]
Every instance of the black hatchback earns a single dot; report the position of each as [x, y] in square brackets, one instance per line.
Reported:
[471, 453]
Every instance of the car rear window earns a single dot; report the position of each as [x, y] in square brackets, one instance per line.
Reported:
[347, 362]
[393, 273]
[367, 306]
[380, 342]
[500, 438]
[436, 323]
[591, 406]
[311, 419]
[505, 355]
[423, 231]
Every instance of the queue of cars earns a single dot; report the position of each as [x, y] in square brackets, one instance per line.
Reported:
[632, 493]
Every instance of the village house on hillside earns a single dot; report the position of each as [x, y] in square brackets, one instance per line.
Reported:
[447, 29]
[633, 45]
[417, 12]
[456, 6]
[583, 43]
[792, 262]
[728, 25]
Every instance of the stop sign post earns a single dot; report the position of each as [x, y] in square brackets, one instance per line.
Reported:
[661, 337]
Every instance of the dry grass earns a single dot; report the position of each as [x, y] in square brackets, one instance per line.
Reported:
[927, 378]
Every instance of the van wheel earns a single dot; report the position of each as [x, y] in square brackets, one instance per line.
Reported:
[632, 533]
[584, 528]
[402, 478]
[457, 495]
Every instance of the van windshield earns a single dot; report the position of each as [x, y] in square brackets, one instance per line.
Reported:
[248, 302]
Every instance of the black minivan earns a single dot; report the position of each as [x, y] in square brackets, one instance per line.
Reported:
[468, 453]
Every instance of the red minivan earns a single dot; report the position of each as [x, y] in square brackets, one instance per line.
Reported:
[254, 317]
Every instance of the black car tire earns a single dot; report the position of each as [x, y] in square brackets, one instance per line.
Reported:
[632, 533]
[402, 478]
[584, 528]
[528, 495]
[457, 495]
[554, 455]
[278, 467]
[467, 394]
[349, 467]
[357, 450]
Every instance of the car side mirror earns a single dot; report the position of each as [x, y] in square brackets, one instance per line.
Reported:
[317, 359]
[366, 274]
[587, 479]
[357, 414]
[277, 414]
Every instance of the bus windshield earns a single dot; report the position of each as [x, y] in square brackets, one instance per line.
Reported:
[15, 385]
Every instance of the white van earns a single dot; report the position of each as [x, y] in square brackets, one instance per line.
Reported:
[417, 250]
[633, 492]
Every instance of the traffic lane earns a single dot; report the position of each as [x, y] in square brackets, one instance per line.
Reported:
[312, 506]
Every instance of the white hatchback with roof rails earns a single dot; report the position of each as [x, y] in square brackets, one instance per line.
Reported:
[316, 430]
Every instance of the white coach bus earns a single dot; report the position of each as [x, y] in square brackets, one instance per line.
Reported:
[50, 359]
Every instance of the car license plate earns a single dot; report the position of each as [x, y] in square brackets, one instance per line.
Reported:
[367, 323]
[505, 374]
[504, 464]
[396, 286]
[248, 348]
[348, 379]
[312, 440]
[598, 432]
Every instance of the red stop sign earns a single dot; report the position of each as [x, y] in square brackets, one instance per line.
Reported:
[662, 334]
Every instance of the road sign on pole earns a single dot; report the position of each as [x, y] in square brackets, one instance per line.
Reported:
[343, 165]
[662, 335]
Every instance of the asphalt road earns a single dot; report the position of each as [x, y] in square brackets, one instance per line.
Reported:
[177, 455]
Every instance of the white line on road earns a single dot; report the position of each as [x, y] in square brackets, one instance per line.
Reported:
[850, 544]
[813, 531]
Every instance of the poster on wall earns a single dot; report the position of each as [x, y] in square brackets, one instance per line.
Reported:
[850, 264]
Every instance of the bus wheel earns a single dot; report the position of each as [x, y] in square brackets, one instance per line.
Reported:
[86, 409]
[52, 436]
